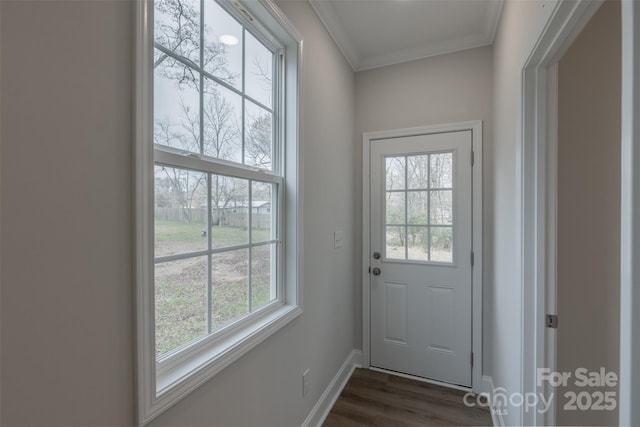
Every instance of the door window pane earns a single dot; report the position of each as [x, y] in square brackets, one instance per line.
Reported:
[180, 211]
[441, 207]
[395, 238]
[418, 243]
[395, 207]
[229, 287]
[441, 170]
[418, 207]
[427, 202]
[441, 244]
[395, 173]
[418, 171]
[180, 302]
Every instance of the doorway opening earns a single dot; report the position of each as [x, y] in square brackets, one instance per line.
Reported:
[539, 193]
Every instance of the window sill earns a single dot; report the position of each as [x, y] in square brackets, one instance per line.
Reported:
[176, 382]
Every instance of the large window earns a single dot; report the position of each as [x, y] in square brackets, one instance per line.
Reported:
[217, 193]
[216, 235]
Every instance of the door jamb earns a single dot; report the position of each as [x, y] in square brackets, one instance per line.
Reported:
[629, 376]
[568, 20]
[475, 127]
[538, 194]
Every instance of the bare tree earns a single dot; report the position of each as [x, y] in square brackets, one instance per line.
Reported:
[180, 188]
[258, 146]
[259, 135]
[221, 129]
[214, 129]
[221, 138]
[226, 193]
[177, 187]
[178, 30]
[262, 72]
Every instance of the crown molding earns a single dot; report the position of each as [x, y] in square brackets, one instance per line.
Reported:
[332, 22]
[414, 54]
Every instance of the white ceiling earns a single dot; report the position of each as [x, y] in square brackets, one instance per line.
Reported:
[375, 33]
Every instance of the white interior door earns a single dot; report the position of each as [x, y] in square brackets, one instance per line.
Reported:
[421, 242]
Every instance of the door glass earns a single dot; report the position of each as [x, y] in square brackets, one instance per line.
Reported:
[395, 204]
[419, 207]
[395, 238]
[395, 173]
[418, 171]
[441, 172]
[441, 207]
[418, 243]
[441, 244]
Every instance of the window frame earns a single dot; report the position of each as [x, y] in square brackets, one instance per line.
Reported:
[428, 225]
[162, 384]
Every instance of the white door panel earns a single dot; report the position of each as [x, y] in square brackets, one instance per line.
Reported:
[421, 216]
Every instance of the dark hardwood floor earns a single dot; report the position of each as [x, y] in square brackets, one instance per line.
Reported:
[376, 399]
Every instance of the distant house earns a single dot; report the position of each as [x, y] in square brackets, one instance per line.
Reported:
[258, 207]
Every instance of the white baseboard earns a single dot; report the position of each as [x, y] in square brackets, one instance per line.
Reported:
[324, 404]
[488, 387]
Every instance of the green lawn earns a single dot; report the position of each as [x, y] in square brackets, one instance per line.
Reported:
[178, 231]
[181, 286]
[181, 309]
[172, 231]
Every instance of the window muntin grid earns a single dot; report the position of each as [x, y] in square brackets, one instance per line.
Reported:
[220, 103]
[214, 100]
[418, 207]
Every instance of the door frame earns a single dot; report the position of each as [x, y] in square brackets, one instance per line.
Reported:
[629, 384]
[568, 19]
[536, 173]
[475, 127]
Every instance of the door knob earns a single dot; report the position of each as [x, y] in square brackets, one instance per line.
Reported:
[376, 271]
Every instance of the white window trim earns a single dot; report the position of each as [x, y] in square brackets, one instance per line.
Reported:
[201, 362]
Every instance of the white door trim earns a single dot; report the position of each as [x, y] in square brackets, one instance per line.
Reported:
[537, 175]
[630, 207]
[476, 131]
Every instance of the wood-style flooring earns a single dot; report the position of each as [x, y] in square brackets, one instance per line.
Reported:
[373, 398]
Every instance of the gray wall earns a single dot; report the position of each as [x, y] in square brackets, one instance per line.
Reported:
[443, 89]
[520, 25]
[67, 323]
[589, 207]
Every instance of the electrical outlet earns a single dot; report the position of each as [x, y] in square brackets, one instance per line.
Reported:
[305, 382]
